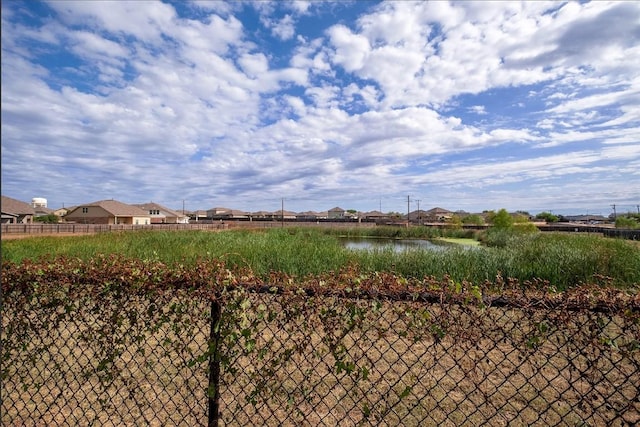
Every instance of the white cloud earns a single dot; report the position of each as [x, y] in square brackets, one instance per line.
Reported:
[350, 49]
[146, 23]
[146, 99]
[254, 64]
[284, 29]
[478, 109]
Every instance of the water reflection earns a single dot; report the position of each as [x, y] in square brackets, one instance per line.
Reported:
[398, 245]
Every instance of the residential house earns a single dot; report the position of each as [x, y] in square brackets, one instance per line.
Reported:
[43, 211]
[437, 215]
[61, 212]
[336, 213]
[288, 215]
[585, 219]
[373, 216]
[197, 215]
[162, 215]
[311, 216]
[226, 213]
[261, 215]
[273, 216]
[419, 216]
[108, 212]
[16, 212]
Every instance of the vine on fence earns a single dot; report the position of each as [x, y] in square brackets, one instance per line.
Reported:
[294, 343]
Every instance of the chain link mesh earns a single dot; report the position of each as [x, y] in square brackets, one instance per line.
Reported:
[325, 360]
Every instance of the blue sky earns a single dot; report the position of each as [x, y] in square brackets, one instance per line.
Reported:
[463, 105]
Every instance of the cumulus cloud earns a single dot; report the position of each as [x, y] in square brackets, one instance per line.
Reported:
[239, 104]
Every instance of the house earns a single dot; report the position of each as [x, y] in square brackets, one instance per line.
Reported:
[108, 212]
[311, 216]
[261, 215]
[16, 212]
[437, 215]
[43, 211]
[226, 213]
[418, 216]
[585, 219]
[162, 215]
[373, 216]
[336, 213]
[61, 212]
[197, 215]
[284, 215]
[216, 213]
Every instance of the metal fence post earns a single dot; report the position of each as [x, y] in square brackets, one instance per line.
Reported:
[213, 391]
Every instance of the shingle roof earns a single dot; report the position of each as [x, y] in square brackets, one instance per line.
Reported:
[117, 208]
[152, 205]
[16, 207]
[42, 210]
[436, 211]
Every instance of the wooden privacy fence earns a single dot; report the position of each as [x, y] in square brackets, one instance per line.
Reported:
[137, 343]
[36, 229]
[68, 228]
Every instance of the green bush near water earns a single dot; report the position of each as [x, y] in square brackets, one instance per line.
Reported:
[561, 259]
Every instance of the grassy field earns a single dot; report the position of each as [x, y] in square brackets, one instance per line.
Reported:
[562, 259]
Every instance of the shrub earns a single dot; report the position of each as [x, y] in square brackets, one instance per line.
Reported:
[473, 219]
[47, 219]
[627, 222]
[502, 220]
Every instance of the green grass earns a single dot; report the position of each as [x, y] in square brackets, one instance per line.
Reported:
[562, 259]
[460, 241]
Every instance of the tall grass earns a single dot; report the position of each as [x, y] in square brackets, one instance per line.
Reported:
[296, 251]
[388, 232]
[564, 260]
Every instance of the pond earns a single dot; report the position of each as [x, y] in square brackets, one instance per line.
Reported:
[398, 245]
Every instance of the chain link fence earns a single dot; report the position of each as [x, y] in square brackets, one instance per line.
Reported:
[299, 358]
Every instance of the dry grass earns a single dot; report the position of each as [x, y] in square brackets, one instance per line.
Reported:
[479, 370]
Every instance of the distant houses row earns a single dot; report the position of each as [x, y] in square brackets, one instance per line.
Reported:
[100, 212]
[115, 212]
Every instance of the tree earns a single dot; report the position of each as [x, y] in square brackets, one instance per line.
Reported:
[520, 218]
[489, 215]
[502, 220]
[473, 219]
[47, 219]
[547, 216]
[627, 222]
[455, 222]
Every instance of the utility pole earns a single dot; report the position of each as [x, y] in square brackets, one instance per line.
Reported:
[408, 211]
[282, 211]
[615, 216]
[418, 201]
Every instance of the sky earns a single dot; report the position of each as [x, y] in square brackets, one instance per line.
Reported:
[311, 105]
